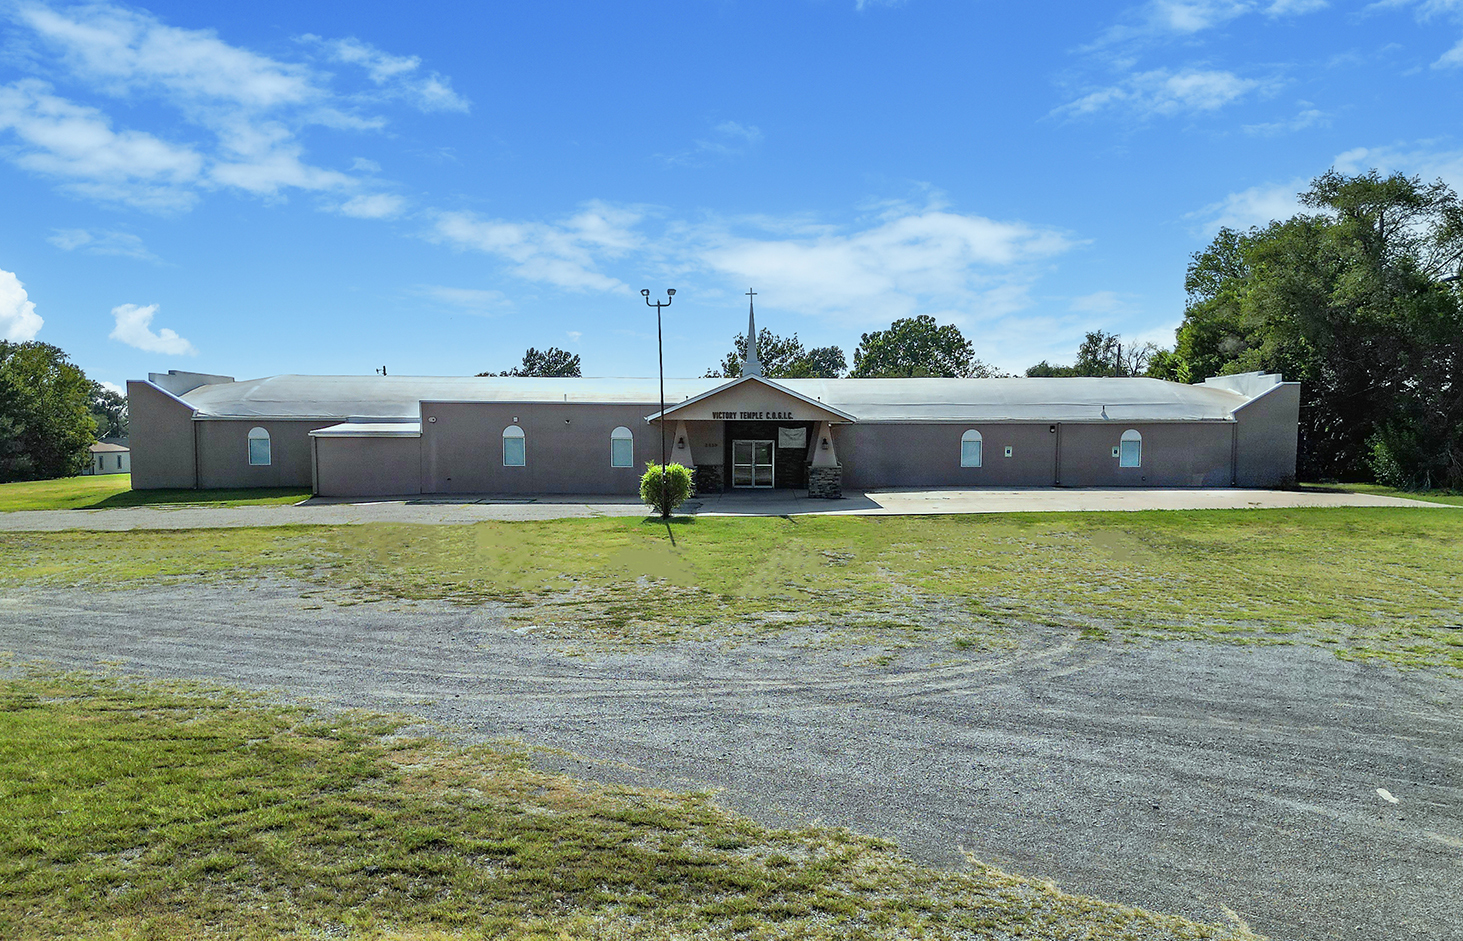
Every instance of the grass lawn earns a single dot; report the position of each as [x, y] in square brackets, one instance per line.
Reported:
[103, 491]
[1368, 583]
[1450, 497]
[167, 812]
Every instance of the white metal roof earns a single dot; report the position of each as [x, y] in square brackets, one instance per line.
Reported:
[1057, 400]
[371, 429]
[399, 398]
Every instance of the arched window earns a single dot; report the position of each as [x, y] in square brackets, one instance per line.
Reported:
[622, 448]
[514, 453]
[970, 448]
[259, 447]
[1130, 449]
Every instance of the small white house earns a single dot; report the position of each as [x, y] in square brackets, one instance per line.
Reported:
[109, 459]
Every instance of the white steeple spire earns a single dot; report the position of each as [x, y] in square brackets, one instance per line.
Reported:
[751, 365]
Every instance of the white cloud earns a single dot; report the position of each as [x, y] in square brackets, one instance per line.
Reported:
[566, 254]
[470, 300]
[397, 76]
[113, 387]
[102, 242]
[1164, 92]
[1295, 7]
[1256, 206]
[251, 107]
[1421, 159]
[132, 328]
[727, 139]
[921, 261]
[1161, 19]
[576, 335]
[1306, 118]
[1098, 302]
[77, 145]
[19, 321]
[372, 206]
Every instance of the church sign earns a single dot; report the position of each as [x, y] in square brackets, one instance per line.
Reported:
[753, 416]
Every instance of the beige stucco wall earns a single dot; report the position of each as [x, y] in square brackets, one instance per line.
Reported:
[759, 402]
[162, 439]
[364, 467]
[1187, 454]
[223, 453]
[567, 448]
[897, 455]
[1191, 454]
[1266, 438]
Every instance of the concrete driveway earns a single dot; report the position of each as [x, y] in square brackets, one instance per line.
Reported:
[474, 508]
[1186, 778]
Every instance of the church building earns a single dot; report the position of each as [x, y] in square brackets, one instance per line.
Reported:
[378, 436]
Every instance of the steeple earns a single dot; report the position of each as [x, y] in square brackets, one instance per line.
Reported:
[751, 365]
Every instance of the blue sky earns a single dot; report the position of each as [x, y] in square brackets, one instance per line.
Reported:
[329, 187]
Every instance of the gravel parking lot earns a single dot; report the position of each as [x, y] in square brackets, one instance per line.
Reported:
[1194, 779]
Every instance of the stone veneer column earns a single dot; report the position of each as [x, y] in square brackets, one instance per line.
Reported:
[825, 476]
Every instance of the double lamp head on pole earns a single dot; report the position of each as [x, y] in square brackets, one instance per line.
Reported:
[670, 295]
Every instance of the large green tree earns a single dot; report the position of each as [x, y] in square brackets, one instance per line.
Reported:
[109, 411]
[45, 413]
[1103, 354]
[552, 362]
[782, 358]
[1358, 299]
[917, 346]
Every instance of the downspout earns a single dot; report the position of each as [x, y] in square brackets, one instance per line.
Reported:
[197, 466]
[1234, 454]
[1057, 458]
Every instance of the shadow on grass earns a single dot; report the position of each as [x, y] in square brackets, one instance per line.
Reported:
[670, 524]
[254, 496]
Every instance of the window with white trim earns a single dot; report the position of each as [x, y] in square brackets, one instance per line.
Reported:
[622, 448]
[259, 455]
[514, 452]
[1130, 449]
[971, 445]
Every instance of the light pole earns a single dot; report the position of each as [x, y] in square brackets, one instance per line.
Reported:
[670, 295]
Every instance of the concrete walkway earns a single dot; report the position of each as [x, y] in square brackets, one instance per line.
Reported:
[443, 510]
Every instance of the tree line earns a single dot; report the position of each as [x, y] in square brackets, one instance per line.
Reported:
[51, 413]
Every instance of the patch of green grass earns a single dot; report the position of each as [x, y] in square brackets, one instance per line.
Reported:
[1450, 497]
[1383, 583]
[106, 491]
[171, 812]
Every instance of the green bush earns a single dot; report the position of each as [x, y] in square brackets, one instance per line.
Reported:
[664, 492]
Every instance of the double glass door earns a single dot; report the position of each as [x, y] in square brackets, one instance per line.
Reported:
[752, 463]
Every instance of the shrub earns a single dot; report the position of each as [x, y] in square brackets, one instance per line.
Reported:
[664, 492]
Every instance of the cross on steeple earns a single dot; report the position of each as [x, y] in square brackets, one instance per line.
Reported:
[751, 365]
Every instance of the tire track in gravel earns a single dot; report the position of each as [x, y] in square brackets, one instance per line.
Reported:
[1183, 778]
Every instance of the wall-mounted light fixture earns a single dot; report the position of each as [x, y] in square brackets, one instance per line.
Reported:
[433, 419]
[1052, 428]
[824, 445]
[680, 442]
